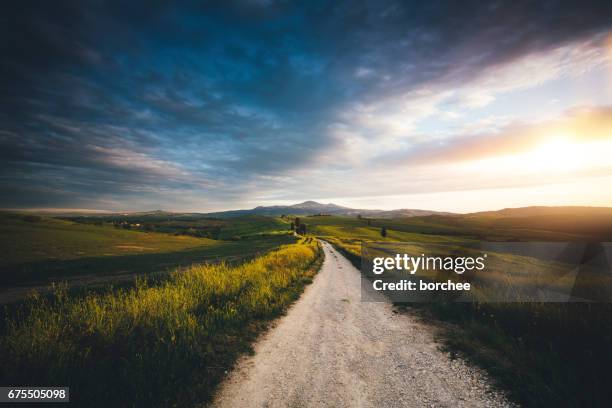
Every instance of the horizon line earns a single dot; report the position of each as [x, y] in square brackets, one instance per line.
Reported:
[99, 211]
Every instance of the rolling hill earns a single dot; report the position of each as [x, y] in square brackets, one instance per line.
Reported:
[314, 208]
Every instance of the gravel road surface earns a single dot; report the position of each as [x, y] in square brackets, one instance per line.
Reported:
[333, 350]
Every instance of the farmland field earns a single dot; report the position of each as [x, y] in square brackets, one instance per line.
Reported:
[38, 250]
[532, 350]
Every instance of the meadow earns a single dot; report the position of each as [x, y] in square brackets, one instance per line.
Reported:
[196, 225]
[39, 250]
[143, 342]
[542, 354]
[164, 344]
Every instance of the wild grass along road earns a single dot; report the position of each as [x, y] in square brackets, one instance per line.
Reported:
[332, 349]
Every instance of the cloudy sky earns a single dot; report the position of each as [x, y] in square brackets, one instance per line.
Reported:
[379, 104]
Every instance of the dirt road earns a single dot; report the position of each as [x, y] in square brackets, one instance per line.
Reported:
[333, 350]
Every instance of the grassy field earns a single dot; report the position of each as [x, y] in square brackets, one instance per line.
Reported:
[486, 227]
[30, 238]
[525, 224]
[154, 345]
[196, 225]
[40, 249]
[367, 229]
[184, 331]
[543, 354]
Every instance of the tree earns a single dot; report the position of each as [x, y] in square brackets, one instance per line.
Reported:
[383, 232]
[302, 229]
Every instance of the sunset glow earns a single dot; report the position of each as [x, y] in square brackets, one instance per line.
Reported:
[373, 106]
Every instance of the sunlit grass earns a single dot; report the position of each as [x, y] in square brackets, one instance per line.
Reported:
[39, 250]
[153, 345]
[32, 239]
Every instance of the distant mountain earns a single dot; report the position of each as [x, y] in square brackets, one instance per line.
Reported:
[314, 208]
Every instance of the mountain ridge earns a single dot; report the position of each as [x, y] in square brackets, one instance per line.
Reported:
[311, 207]
[315, 208]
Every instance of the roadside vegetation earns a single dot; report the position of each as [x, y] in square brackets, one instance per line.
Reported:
[165, 342]
[154, 345]
[542, 354]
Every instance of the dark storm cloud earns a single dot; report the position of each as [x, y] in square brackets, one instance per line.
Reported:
[115, 100]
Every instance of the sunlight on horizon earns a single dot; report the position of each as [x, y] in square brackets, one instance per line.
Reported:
[590, 192]
[555, 156]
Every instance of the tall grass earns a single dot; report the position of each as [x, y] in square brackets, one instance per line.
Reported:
[542, 354]
[163, 345]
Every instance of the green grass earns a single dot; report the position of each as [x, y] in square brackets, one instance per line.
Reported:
[359, 229]
[197, 225]
[38, 249]
[583, 224]
[542, 354]
[161, 345]
[181, 333]
[30, 239]
[252, 225]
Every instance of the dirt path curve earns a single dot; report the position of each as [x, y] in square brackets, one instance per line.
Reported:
[333, 350]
